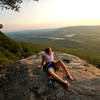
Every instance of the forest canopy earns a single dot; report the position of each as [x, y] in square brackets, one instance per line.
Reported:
[11, 4]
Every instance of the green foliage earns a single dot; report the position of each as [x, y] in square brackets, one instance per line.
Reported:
[11, 4]
[11, 51]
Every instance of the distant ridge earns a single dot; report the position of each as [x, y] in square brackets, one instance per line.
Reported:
[46, 29]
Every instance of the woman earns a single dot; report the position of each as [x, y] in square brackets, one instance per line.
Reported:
[50, 66]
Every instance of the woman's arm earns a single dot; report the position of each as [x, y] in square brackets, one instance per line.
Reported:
[42, 63]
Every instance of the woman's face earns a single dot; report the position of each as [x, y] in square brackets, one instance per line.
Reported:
[49, 52]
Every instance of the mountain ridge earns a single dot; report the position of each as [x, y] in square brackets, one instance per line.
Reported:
[55, 28]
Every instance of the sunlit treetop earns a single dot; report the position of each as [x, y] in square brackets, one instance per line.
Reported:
[11, 4]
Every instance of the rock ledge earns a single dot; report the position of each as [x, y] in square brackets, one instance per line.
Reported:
[24, 81]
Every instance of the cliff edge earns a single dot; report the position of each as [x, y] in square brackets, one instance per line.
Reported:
[24, 81]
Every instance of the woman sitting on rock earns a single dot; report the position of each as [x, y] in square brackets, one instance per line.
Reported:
[50, 66]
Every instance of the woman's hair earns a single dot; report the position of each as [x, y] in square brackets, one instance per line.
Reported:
[47, 49]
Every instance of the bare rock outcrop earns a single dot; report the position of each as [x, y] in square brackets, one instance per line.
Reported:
[24, 81]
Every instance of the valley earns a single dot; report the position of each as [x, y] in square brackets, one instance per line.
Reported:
[82, 41]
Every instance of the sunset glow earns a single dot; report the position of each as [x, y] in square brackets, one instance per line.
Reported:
[52, 14]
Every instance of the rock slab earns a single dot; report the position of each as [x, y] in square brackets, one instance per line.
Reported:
[24, 81]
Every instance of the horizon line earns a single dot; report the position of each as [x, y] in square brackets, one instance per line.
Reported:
[50, 28]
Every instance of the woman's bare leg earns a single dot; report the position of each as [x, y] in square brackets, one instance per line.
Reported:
[51, 71]
[63, 66]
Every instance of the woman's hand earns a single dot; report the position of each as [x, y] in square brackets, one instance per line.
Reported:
[66, 83]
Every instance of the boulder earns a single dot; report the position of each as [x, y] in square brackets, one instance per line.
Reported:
[24, 81]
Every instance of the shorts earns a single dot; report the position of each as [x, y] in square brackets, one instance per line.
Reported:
[49, 65]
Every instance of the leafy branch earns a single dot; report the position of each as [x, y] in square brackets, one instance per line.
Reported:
[11, 4]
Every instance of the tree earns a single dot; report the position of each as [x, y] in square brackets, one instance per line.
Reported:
[11, 4]
[1, 26]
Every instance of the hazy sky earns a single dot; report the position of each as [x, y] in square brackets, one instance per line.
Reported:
[51, 14]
